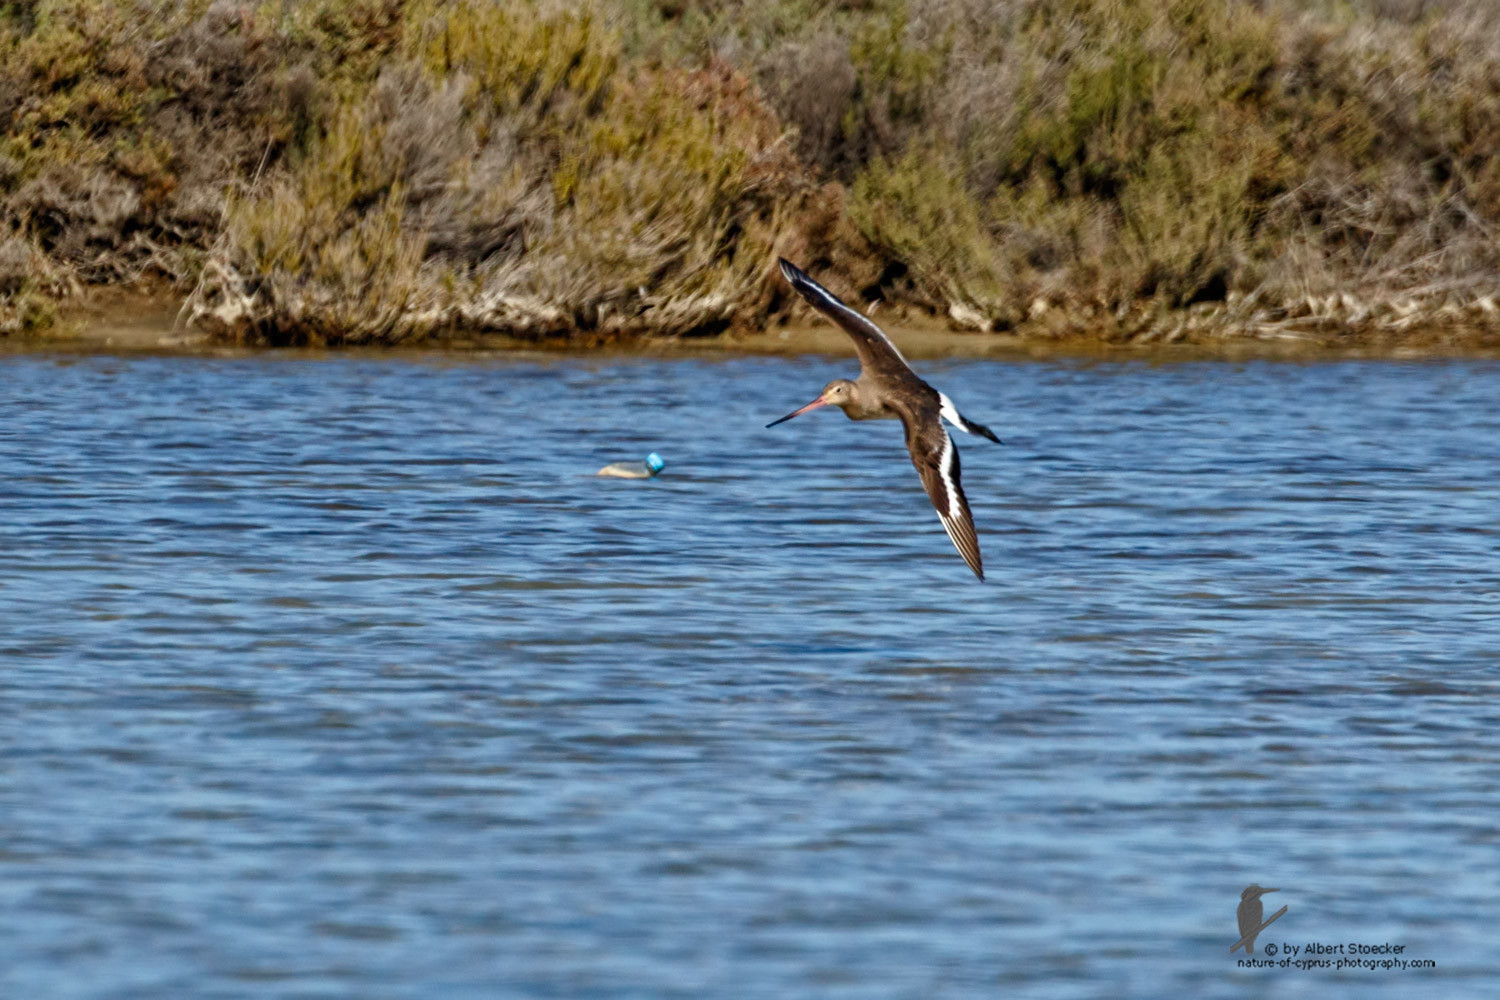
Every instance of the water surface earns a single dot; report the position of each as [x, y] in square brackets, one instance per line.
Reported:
[343, 677]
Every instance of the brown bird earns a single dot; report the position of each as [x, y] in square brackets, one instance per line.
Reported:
[887, 388]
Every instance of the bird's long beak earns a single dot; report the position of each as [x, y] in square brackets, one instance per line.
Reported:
[820, 401]
[1264, 891]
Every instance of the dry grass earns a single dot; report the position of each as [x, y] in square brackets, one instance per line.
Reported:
[126, 125]
[390, 169]
[508, 171]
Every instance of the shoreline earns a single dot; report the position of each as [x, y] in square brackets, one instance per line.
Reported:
[115, 321]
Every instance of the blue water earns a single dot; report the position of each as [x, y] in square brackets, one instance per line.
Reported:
[345, 677]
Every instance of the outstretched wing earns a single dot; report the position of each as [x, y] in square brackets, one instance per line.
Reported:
[875, 349]
[936, 459]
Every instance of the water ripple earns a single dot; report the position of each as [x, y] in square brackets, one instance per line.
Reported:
[345, 677]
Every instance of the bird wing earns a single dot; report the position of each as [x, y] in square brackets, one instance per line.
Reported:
[875, 349]
[936, 459]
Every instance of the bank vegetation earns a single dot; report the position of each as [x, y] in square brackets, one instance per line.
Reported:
[393, 171]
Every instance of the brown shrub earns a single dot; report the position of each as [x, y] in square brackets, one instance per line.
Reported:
[540, 167]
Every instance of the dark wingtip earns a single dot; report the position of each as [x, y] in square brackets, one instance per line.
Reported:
[791, 272]
[982, 430]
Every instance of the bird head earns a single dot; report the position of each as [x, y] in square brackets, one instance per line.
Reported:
[839, 392]
[1255, 892]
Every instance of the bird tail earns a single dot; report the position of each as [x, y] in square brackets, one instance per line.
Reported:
[950, 413]
[976, 428]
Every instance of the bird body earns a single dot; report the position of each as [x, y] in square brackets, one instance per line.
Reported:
[1248, 916]
[888, 389]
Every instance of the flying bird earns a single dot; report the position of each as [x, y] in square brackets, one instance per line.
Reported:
[887, 388]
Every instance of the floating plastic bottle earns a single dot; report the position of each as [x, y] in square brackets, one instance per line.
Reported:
[635, 470]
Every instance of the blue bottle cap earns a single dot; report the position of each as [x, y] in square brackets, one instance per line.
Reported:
[654, 462]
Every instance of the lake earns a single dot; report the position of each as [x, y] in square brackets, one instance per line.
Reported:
[344, 676]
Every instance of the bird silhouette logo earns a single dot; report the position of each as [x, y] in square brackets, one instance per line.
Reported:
[1249, 916]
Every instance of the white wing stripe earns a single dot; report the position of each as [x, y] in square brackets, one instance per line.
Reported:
[805, 284]
[945, 469]
[864, 321]
[950, 412]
